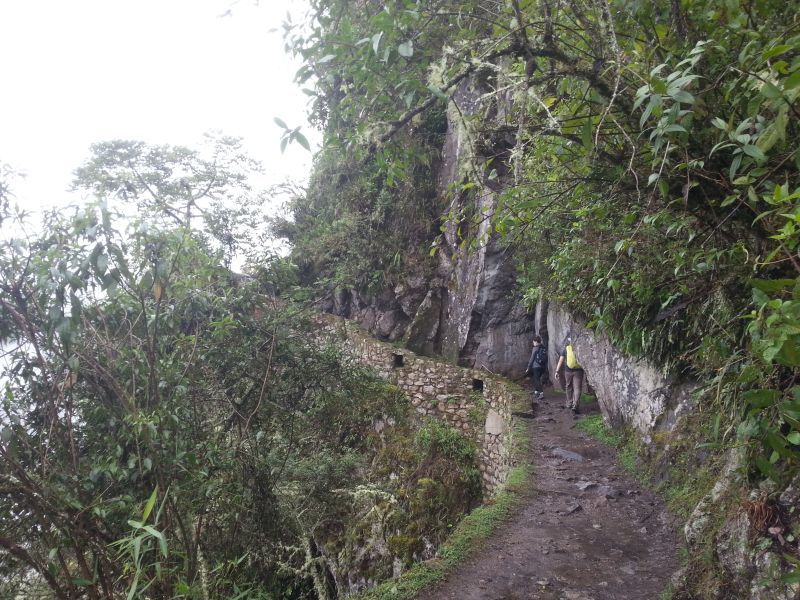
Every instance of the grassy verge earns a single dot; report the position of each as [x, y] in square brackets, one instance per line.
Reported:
[683, 483]
[675, 471]
[471, 531]
[626, 445]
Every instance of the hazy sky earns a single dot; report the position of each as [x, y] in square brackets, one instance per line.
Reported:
[160, 71]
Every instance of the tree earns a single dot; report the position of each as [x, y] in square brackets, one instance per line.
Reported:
[168, 431]
[207, 191]
[644, 158]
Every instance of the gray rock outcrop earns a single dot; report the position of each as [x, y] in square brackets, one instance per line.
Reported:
[630, 392]
[467, 310]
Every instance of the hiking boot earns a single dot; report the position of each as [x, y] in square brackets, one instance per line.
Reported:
[574, 410]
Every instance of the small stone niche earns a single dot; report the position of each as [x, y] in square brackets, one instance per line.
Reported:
[397, 360]
[477, 385]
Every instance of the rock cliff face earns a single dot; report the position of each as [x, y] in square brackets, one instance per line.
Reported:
[467, 311]
[630, 392]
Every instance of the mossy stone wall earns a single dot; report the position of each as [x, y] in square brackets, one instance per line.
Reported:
[474, 402]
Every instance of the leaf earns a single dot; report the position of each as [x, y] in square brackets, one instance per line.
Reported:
[719, 124]
[754, 151]
[789, 354]
[792, 578]
[438, 92]
[675, 128]
[376, 41]
[148, 507]
[280, 123]
[772, 285]
[102, 264]
[792, 81]
[769, 91]
[586, 135]
[663, 188]
[773, 52]
[146, 282]
[737, 160]
[775, 132]
[794, 438]
[406, 49]
[301, 139]
[766, 468]
[326, 59]
[135, 584]
[759, 399]
[284, 142]
[654, 101]
[653, 178]
[778, 445]
[682, 96]
[154, 532]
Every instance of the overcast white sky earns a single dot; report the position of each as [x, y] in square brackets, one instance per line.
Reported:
[161, 71]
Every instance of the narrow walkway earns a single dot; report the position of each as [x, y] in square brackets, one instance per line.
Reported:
[586, 529]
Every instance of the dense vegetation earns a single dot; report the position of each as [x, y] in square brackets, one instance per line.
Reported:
[643, 154]
[643, 159]
[170, 430]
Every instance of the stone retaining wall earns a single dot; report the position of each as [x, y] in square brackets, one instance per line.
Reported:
[474, 402]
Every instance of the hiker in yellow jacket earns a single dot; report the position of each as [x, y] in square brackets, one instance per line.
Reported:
[573, 374]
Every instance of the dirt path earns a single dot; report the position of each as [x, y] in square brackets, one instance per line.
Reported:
[585, 531]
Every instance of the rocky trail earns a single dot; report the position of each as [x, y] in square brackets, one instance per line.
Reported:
[585, 530]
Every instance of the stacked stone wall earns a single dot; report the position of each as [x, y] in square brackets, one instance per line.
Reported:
[475, 402]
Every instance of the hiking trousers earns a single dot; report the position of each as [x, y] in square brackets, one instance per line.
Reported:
[536, 375]
[574, 386]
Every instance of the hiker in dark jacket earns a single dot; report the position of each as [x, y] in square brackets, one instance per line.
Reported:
[537, 365]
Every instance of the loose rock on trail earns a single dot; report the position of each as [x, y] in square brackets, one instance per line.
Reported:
[585, 529]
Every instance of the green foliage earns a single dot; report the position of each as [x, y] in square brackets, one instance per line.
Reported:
[174, 186]
[168, 430]
[363, 222]
[437, 437]
[594, 426]
[465, 539]
[661, 203]
[372, 210]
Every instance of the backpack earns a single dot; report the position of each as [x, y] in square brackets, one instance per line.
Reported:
[572, 362]
[540, 358]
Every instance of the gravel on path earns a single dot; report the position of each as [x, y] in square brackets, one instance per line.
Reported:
[585, 529]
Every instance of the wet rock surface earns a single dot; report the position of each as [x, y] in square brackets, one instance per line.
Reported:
[586, 530]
